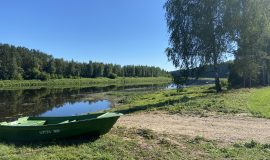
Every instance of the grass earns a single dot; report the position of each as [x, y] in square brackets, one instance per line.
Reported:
[213, 150]
[120, 143]
[259, 102]
[123, 143]
[194, 100]
[200, 100]
[83, 82]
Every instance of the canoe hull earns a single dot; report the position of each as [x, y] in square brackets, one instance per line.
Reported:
[91, 127]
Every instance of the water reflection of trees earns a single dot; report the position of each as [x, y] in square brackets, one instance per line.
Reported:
[16, 103]
[31, 102]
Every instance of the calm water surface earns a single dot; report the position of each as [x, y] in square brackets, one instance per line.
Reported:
[78, 108]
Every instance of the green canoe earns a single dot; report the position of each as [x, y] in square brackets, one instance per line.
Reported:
[47, 128]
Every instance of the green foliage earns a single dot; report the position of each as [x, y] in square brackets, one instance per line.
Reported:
[203, 32]
[112, 76]
[234, 79]
[19, 62]
[198, 35]
[43, 76]
[224, 83]
[251, 32]
[108, 70]
[8, 65]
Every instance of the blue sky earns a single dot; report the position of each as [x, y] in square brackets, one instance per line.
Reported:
[111, 31]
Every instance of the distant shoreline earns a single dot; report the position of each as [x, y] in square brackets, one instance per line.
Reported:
[80, 82]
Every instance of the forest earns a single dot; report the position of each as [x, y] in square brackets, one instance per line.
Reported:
[18, 63]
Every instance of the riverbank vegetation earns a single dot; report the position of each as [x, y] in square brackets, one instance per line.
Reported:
[81, 82]
[17, 63]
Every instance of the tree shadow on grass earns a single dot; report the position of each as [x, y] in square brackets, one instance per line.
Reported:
[158, 105]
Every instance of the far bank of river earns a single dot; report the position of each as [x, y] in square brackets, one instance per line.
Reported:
[81, 82]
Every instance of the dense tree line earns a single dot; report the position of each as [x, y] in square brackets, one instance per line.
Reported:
[206, 71]
[22, 63]
[204, 33]
[251, 31]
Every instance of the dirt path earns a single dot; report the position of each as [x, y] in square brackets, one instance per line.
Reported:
[221, 128]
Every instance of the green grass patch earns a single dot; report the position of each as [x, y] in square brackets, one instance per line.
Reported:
[199, 100]
[195, 100]
[82, 82]
[120, 143]
[206, 149]
[259, 102]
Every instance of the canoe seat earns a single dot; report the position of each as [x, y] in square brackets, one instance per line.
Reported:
[25, 122]
[3, 123]
[67, 121]
[105, 115]
[64, 122]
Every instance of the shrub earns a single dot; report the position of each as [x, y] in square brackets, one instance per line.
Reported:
[224, 83]
[18, 77]
[112, 76]
[252, 144]
[146, 133]
[43, 76]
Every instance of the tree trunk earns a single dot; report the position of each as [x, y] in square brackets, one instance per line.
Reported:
[216, 70]
[217, 81]
[217, 84]
[215, 59]
[268, 79]
[249, 81]
[244, 81]
[263, 77]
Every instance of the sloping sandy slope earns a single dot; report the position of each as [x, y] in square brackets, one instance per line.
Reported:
[221, 128]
